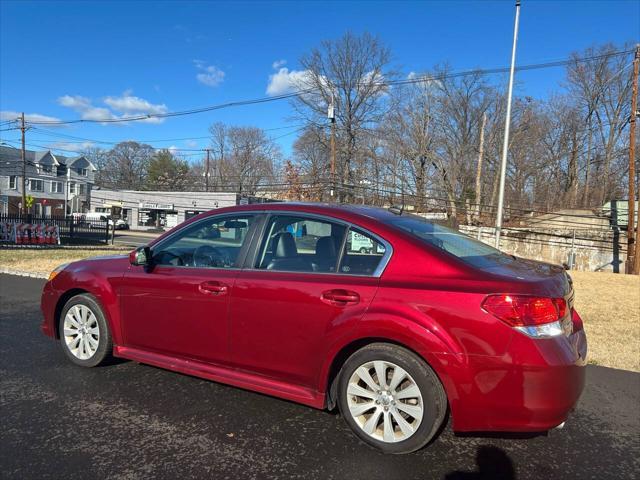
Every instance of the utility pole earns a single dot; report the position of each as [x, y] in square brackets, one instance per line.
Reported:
[24, 166]
[631, 264]
[206, 172]
[476, 207]
[636, 259]
[505, 145]
[331, 114]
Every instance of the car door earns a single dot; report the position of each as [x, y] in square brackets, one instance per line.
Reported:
[301, 284]
[179, 304]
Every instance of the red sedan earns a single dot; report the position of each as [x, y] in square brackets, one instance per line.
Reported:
[395, 320]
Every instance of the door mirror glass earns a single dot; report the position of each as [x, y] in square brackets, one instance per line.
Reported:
[140, 256]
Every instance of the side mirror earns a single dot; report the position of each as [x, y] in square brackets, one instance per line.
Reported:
[140, 256]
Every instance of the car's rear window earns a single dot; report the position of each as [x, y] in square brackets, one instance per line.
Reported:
[467, 249]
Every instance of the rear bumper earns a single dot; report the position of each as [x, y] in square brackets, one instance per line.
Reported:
[532, 388]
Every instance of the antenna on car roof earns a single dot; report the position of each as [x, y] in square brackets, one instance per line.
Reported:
[396, 210]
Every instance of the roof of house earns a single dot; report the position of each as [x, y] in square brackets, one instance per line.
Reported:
[10, 153]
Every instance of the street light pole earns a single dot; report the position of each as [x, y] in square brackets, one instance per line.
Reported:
[505, 145]
[331, 115]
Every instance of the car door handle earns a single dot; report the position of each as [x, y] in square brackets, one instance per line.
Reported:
[213, 288]
[340, 297]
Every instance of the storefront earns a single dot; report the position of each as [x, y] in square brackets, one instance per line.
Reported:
[157, 215]
[154, 210]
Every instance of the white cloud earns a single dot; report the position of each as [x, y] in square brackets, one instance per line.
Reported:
[191, 143]
[130, 106]
[208, 75]
[70, 147]
[173, 149]
[123, 106]
[28, 117]
[285, 81]
[412, 75]
[278, 64]
[85, 108]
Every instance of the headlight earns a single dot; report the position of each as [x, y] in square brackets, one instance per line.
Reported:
[54, 273]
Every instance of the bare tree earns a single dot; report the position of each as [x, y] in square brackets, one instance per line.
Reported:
[602, 86]
[349, 72]
[244, 158]
[125, 166]
[312, 153]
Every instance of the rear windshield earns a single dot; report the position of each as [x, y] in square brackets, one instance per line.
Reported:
[467, 249]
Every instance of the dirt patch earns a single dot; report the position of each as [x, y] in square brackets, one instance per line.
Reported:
[609, 305]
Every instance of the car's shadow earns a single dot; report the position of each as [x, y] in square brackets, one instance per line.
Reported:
[492, 463]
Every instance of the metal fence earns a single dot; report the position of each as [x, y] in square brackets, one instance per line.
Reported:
[39, 230]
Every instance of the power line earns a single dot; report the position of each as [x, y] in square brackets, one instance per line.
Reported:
[83, 139]
[199, 150]
[423, 79]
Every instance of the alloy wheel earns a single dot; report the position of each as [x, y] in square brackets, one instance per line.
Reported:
[385, 401]
[81, 332]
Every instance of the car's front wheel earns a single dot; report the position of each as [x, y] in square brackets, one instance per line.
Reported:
[391, 398]
[84, 333]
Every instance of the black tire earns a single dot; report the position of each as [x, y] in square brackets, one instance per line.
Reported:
[433, 395]
[104, 351]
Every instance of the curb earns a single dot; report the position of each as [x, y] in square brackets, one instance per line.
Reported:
[22, 273]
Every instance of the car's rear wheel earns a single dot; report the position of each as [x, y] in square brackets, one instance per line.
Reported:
[84, 333]
[391, 398]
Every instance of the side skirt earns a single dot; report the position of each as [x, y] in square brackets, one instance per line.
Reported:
[237, 378]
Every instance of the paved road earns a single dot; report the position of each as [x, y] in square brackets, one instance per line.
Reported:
[128, 420]
[135, 239]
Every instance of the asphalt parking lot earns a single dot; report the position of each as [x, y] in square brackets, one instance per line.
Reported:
[128, 420]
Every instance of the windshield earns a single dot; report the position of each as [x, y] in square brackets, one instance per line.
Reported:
[470, 251]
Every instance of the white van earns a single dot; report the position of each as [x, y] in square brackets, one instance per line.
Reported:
[98, 220]
[360, 243]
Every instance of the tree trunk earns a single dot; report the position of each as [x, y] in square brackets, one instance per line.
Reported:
[587, 173]
[572, 184]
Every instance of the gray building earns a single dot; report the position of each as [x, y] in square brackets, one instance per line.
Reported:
[144, 210]
[52, 180]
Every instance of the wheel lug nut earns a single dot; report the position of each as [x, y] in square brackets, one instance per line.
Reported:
[386, 409]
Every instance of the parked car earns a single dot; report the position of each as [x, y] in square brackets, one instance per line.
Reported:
[120, 224]
[99, 220]
[427, 323]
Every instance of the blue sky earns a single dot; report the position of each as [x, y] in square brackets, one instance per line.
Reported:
[70, 60]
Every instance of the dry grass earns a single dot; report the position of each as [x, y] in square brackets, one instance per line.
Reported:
[43, 261]
[609, 305]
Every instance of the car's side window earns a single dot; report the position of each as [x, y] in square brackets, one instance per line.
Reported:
[299, 244]
[362, 254]
[210, 243]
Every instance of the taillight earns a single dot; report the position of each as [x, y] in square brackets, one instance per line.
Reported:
[561, 305]
[577, 321]
[534, 316]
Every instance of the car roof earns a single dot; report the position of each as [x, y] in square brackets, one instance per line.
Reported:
[346, 211]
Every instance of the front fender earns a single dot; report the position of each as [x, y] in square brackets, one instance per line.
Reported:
[102, 284]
